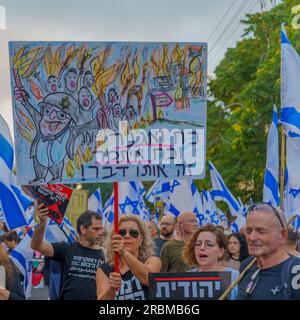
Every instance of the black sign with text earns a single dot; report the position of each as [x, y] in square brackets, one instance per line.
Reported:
[188, 285]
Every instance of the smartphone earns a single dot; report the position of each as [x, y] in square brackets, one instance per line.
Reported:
[2, 278]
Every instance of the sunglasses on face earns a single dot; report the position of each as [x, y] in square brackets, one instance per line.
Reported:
[132, 232]
[264, 206]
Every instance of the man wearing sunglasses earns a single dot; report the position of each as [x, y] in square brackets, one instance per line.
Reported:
[276, 275]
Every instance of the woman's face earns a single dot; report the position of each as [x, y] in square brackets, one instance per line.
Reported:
[234, 245]
[132, 240]
[207, 251]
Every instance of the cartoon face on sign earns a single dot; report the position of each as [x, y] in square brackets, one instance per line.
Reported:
[53, 84]
[71, 80]
[85, 99]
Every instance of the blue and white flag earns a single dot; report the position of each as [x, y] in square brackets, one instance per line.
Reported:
[291, 202]
[95, 202]
[22, 256]
[221, 192]
[198, 204]
[108, 215]
[290, 85]
[14, 201]
[210, 208]
[271, 190]
[131, 199]
[60, 233]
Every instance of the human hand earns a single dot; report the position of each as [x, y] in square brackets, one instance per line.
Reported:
[118, 245]
[41, 212]
[115, 280]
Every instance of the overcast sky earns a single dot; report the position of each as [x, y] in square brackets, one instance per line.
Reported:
[121, 20]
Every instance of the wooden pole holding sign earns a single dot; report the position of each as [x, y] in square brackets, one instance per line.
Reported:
[116, 221]
[240, 277]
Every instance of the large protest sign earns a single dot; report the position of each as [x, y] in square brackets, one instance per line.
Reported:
[188, 285]
[101, 111]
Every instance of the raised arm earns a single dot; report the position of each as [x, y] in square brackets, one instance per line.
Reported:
[38, 243]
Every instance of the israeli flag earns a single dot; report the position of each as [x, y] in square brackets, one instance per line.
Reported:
[271, 190]
[198, 204]
[292, 183]
[221, 192]
[14, 201]
[60, 233]
[131, 199]
[95, 202]
[290, 85]
[22, 257]
[108, 215]
[210, 208]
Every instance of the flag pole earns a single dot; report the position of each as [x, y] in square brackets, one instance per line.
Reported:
[282, 165]
[240, 277]
[116, 220]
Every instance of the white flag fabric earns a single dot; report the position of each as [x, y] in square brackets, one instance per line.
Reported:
[22, 256]
[14, 201]
[291, 202]
[221, 193]
[290, 85]
[95, 201]
[271, 190]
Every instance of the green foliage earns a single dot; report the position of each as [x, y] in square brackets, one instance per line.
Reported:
[242, 95]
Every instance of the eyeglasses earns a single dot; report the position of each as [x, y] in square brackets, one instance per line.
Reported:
[254, 280]
[61, 115]
[264, 205]
[166, 224]
[207, 245]
[132, 232]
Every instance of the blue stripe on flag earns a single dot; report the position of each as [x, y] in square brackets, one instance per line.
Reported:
[290, 116]
[272, 184]
[24, 200]
[12, 211]
[6, 152]
[173, 210]
[97, 195]
[284, 38]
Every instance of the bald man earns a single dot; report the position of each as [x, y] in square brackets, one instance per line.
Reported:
[171, 252]
[166, 230]
[276, 275]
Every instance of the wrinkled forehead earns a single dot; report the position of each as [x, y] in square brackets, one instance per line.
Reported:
[262, 218]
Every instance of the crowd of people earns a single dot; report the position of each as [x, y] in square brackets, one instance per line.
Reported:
[87, 270]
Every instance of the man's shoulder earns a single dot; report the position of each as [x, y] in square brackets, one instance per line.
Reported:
[174, 243]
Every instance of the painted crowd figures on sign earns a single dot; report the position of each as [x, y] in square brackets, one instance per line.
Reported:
[108, 111]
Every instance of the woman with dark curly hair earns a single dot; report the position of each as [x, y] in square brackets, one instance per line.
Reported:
[237, 250]
[137, 259]
[205, 250]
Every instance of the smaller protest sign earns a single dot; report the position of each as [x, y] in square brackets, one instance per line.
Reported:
[55, 196]
[188, 285]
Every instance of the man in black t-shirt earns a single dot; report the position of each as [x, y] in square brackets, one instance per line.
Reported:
[78, 261]
[275, 275]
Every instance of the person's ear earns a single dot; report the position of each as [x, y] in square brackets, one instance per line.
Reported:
[221, 253]
[82, 229]
[284, 234]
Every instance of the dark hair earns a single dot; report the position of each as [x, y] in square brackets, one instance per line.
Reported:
[243, 245]
[73, 70]
[11, 236]
[85, 219]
